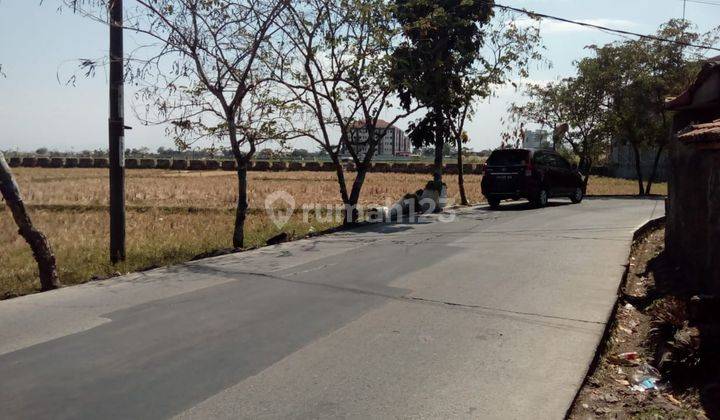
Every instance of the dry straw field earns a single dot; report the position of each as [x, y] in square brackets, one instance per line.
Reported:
[174, 216]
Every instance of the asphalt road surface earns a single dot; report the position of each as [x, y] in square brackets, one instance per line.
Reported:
[496, 314]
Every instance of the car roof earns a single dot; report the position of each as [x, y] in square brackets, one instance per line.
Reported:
[532, 150]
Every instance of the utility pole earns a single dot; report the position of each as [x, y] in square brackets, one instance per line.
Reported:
[684, 6]
[116, 126]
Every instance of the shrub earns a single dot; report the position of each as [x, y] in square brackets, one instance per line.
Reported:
[296, 166]
[312, 166]
[132, 163]
[163, 163]
[380, 167]
[279, 166]
[197, 165]
[399, 167]
[101, 163]
[260, 165]
[148, 163]
[179, 164]
[419, 168]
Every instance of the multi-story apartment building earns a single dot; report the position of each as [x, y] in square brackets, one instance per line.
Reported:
[393, 144]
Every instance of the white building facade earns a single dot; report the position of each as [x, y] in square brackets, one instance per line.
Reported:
[537, 139]
[393, 144]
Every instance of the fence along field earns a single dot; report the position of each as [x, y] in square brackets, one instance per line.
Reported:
[174, 216]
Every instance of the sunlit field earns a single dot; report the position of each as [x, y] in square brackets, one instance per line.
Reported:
[175, 216]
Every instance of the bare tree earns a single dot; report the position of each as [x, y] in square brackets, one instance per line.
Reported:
[203, 68]
[508, 52]
[337, 59]
[38, 242]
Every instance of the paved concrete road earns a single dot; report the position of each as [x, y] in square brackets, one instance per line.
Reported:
[495, 315]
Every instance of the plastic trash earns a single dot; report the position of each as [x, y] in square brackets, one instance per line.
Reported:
[645, 378]
[631, 355]
[631, 358]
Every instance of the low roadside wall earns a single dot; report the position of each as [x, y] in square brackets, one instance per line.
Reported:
[230, 165]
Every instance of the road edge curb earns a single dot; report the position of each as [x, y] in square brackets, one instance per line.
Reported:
[640, 231]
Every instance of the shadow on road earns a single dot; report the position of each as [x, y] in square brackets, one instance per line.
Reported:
[522, 206]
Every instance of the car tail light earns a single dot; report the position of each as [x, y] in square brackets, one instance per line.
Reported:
[528, 169]
[486, 171]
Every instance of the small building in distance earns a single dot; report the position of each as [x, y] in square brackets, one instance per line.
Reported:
[394, 143]
[537, 139]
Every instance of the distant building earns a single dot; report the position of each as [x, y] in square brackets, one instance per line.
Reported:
[393, 144]
[537, 139]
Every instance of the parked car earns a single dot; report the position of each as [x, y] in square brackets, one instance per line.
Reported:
[533, 174]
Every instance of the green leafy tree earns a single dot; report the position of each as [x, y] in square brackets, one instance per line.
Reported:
[440, 46]
[619, 93]
[638, 76]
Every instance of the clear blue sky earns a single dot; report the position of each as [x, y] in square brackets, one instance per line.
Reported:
[37, 42]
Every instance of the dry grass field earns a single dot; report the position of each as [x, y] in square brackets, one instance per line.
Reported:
[174, 216]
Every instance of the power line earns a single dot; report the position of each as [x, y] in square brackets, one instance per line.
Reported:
[602, 28]
[709, 3]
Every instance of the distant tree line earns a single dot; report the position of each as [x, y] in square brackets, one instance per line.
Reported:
[618, 95]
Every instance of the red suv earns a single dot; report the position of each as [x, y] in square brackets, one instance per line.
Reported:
[535, 175]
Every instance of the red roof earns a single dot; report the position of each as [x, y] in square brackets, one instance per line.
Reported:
[685, 99]
[701, 133]
[380, 124]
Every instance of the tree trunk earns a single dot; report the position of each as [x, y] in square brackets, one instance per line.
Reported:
[242, 205]
[653, 174]
[461, 181]
[38, 242]
[638, 169]
[351, 212]
[438, 164]
[340, 178]
[586, 166]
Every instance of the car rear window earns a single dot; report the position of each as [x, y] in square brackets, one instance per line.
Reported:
[508, 157]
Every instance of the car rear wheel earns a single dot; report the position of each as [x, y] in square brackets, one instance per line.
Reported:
[493, 202]
[541, 199]
[577, 196]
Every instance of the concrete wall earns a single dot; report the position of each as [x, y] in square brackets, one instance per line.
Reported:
[621, 163]
[693, 210]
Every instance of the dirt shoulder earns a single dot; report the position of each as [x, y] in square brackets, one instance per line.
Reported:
[661, 357]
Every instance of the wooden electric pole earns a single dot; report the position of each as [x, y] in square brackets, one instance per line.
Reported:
[116, 134]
